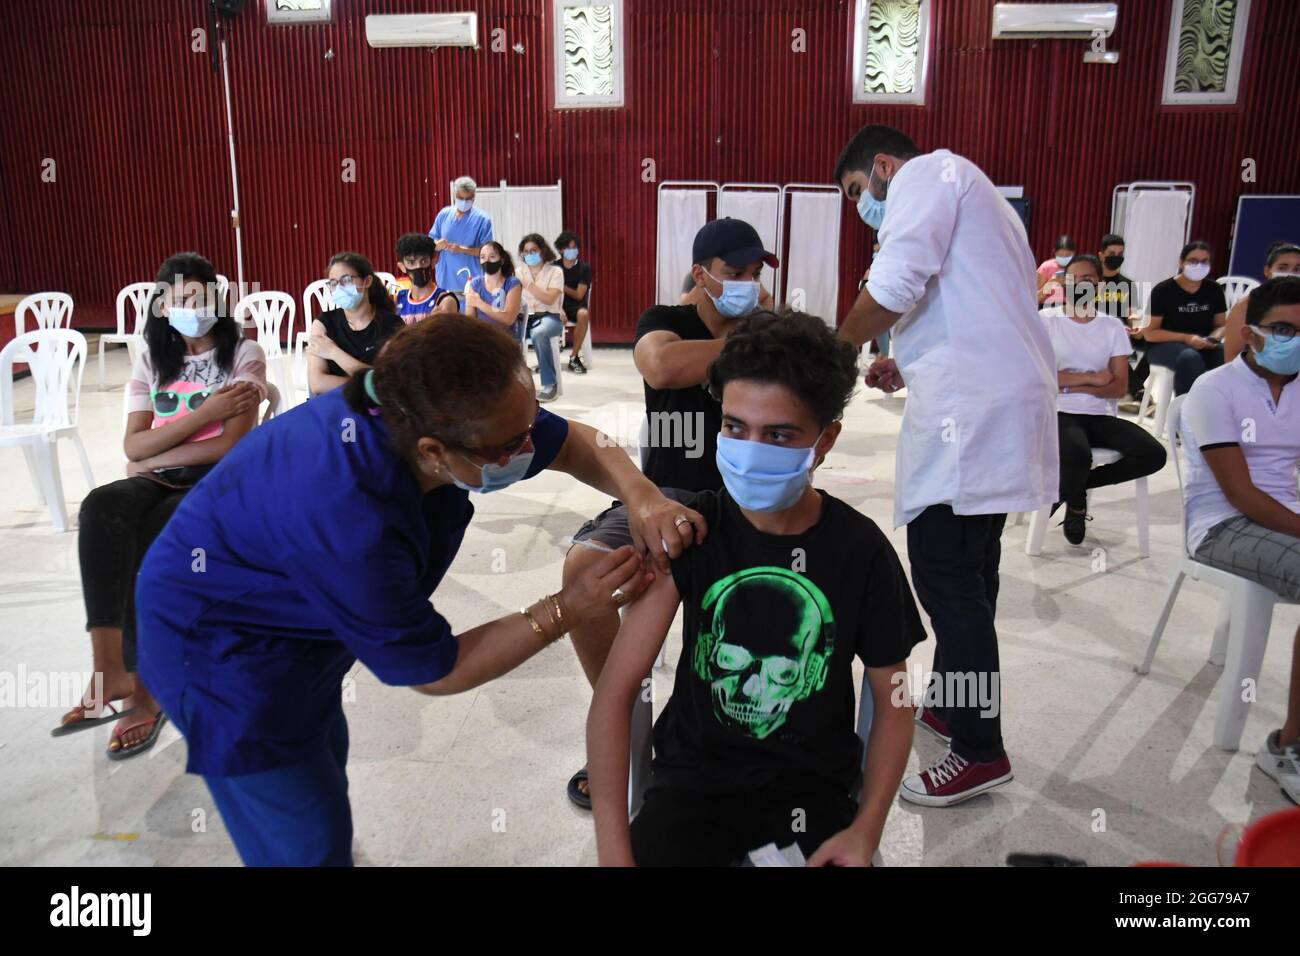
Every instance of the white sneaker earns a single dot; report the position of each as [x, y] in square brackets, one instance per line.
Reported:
[1281, 764]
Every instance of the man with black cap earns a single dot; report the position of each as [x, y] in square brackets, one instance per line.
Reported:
[675, 344]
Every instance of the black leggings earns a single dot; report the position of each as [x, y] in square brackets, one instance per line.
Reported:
[1080, 434]
[118, 522]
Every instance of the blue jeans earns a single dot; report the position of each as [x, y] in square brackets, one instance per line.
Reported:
[290, 816]
[542, 328]
[1188, 363]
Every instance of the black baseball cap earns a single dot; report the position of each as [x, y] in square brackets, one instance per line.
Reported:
[734, 241]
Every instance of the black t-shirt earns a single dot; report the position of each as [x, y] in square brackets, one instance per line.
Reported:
[363, 345]
[763, 695]
[680, 434]
[1115, 296]
[1191, 313]
[574, 276]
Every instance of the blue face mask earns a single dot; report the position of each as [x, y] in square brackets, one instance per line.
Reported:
[571, 255]
[496, 477]
[464, 205]
[1063, 261]
[762, 477]
[871, 209]
[739, 296]
[1278, 356]
[532, 259]
[346, 297]
[190, 322]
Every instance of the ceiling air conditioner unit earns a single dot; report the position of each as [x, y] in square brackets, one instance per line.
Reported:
[1071, 21]
[422, 29]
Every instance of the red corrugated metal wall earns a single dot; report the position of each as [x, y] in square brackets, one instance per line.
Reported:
[112, 91]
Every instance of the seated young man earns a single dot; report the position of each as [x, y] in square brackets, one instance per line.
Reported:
[1241, 432]
[417, 256]
[758, 744]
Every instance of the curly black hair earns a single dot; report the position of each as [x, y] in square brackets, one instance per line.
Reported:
[414, 245]
[793, 349]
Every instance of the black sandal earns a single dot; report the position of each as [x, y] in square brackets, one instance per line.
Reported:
[579, 798]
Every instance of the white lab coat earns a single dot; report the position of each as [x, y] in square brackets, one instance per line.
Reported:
[979, 428]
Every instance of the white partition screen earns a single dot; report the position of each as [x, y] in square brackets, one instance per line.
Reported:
[1155, 220]
[812, 257]
[683, 209]
[758, 204]
[518, 210]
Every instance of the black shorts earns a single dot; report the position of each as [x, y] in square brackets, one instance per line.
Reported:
[611, 527]
[571, 311]
[677, 827]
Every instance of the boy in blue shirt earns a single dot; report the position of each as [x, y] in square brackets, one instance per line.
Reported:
[417, 256]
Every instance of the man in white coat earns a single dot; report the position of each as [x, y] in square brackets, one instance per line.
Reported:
[954, 285]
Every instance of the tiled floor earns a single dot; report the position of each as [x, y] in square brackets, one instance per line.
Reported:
[1110, 767]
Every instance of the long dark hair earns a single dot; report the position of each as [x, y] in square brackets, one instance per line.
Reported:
[507, 263]
[378, 293]
[167, 346]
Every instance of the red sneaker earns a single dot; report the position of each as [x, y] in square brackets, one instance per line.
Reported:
[954, 779]
[928, 720]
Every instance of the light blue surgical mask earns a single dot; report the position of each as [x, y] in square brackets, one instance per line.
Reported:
[495, 477]
[532, 259]
[190, 322]
[464, 205]
[871, 209]
[346, 296]
[763, 477]
[1063, 261]
[1278, 356]
[570, 255]
[739, 296]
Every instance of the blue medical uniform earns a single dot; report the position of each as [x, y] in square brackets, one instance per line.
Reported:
[472, 229]
[308, 547]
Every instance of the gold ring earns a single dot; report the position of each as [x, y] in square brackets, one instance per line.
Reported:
[681, 520]
[617, 596]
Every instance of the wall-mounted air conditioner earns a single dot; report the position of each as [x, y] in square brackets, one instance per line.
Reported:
[422, 29]
[1074, 21]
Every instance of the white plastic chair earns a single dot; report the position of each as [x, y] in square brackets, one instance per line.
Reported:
[1236, 288]
[50, 310]
[1100, 456]
[586, 351]
[269, 312]
[1241, 633]
[315, 300]
[223, 290]
[132, 308]
[272, 402]
[1160, 389]
[389, 280]
[56, 359]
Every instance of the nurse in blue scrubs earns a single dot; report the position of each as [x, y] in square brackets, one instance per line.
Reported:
[318, 541]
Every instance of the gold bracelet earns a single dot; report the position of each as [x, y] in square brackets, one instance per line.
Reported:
[559, 611]
[533, 621]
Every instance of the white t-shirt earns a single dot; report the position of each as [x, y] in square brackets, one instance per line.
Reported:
[979, 429]
[1233, 405]
[1085, 347]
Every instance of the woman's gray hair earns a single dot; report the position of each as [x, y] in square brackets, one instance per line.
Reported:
[464, 182]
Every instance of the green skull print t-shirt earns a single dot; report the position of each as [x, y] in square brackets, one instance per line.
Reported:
[764, 691]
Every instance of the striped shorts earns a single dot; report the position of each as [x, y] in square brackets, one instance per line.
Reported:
[1252, 551]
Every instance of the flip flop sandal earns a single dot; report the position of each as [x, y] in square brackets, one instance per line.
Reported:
[575, 792]
[85, 723]
[123, 752]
